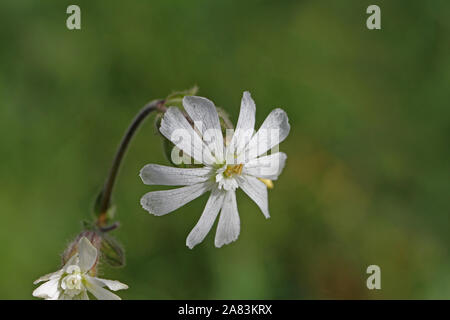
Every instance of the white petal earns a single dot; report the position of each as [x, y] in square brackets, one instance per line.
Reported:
[57, 296]
[229, 224]
[202, 111]
[49, 276]
[111, 284]
[257, 191]
[99, 292]
[272, 132]
[47, 290]
[207, 218]
[247, 113]
[170, 176]
[176, 128]
[74, 260]
[87, 254]
[163, 202]
[245, 127]
[81, 296]
[267, 167]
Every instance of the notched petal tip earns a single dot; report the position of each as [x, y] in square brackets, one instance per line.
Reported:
[146, 174]
[220, 243]
[144, 205]
[141, 174]
[248, 101]
[284, 118]
[191, 242]
[190, 245]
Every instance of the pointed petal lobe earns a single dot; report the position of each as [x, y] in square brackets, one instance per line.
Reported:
[47, 290]
[49, 276]
[207, 218]
[99, 292]
[113, 285]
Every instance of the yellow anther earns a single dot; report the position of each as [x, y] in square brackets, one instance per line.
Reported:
[233, 169]
[267, 182]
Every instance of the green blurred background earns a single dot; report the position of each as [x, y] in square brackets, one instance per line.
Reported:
[367, 175]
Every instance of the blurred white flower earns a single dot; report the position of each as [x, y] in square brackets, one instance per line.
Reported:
[73, 281]
[226, 167]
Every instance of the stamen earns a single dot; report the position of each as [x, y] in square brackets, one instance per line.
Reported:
[267, 182]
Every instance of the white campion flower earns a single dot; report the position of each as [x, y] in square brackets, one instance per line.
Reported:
[73, 281]
[227, 167]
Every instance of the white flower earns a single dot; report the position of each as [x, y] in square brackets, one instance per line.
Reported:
[238, 164]
[73, 281]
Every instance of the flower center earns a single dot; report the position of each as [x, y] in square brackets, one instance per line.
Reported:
[225, 176]
[233, 169]
[72, 284]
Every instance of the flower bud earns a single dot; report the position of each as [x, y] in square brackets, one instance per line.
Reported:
[110, 251]
[72, 248]
[176, 98]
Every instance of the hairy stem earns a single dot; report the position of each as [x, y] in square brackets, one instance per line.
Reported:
[105, 195]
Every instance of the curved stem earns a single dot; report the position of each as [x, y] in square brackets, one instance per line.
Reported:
[105, 195]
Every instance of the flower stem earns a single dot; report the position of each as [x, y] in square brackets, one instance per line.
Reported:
[105, 194]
